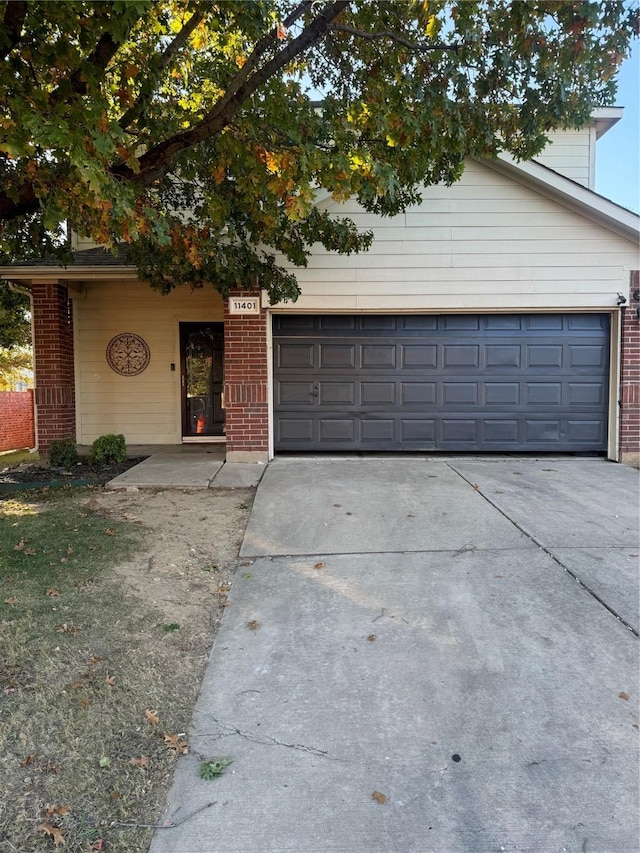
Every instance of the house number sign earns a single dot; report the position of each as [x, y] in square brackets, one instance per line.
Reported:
[128, 354]
[245, 305]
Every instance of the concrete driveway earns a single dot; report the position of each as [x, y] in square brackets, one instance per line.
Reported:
[424, 655]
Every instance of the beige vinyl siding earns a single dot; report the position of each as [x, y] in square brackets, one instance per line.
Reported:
[571, 153]
[145, 408]
[486, 243]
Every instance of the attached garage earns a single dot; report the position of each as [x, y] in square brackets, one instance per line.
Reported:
[451, 382]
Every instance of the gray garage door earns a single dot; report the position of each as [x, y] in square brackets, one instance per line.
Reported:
[530, 382]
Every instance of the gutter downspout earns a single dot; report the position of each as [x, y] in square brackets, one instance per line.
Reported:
[16, 288]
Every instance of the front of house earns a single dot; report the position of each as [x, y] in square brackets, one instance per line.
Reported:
[497, 316]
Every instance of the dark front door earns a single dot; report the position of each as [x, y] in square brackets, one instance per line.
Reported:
[202, 367]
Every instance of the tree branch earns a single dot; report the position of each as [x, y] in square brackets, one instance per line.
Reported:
[15, 12]
[414, 47]
[99, 58]
[26, 202]
[163, 60]
[157, 161]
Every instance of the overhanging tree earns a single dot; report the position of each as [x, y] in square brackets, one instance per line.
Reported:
[191, 130]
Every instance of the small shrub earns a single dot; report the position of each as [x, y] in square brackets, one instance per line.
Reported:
[108, 450]
[63, 453]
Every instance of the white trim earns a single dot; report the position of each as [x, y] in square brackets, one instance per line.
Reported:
[571, 194]
[76, 373]
[592, 158]
[605, 118]
[270, 417]
[615, 366]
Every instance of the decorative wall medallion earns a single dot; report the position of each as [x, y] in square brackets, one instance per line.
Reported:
[128, 354]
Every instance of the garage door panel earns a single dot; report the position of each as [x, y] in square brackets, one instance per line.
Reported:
[337, 393]
[459, 393]
[420, 430]
[459, 431]
[378, 356]
[378, 394]
[461, 322]
[419, 356]
[547, 322]
[376, 431]
[579, 432]
[512, 382]
[501, 394]
[340, 430]
[544, 356]
[544, 393]
[459, 355]
[503, 322]
[502, 355]
[295, 430]
[418, 394]
[587, 356]
[294, 355]
[337, 355]
[542, 432]
[585, 393]
[291, 393]
[501, 433]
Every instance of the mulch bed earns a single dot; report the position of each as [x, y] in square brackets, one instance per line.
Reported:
[93, 474]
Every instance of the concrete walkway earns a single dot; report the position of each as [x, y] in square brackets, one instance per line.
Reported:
[190, 468]
[423, 655]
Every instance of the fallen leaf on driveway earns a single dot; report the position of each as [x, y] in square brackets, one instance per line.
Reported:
[254, 625]
[624, 696]
[379, 798]
[318, 566]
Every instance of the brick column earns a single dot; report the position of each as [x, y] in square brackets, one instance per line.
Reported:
[630, 377]
[53, 354]
[246, 376]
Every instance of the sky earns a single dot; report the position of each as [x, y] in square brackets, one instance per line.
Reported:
[618, 151]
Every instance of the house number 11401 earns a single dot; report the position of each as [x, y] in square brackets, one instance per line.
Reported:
[248, 305]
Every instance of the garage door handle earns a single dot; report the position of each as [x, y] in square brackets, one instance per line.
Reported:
[315, 391]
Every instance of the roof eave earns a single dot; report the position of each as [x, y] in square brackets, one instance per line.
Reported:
[584, 201]
[40, 274]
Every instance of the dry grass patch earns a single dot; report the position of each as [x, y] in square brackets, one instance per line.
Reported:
[104, 633]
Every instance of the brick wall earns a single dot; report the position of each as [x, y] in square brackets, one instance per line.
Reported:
[246, 385]
[17, 429]
[53, 355]
[630, 377]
